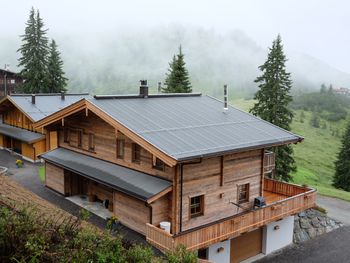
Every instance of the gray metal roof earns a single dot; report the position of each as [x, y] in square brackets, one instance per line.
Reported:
[137, 184]
[193, 126]
[20, 134]
[45, 105]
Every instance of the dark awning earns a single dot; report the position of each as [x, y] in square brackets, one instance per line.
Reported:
[20, 134]
[128, 181]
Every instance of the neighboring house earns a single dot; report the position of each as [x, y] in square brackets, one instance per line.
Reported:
[19, 113]
[342, 91]
[178, 160]
[9, 82]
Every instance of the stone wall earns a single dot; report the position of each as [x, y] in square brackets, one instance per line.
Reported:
[312, 223]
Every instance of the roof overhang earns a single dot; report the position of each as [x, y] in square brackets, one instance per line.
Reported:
[8, 99]
[20, 134]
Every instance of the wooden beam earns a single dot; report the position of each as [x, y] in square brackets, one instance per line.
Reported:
[62, 122]
[222, 170]
[159, 195]
[86, 112]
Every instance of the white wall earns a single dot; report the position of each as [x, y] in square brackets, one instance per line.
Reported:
[278, 234]
[219, 257]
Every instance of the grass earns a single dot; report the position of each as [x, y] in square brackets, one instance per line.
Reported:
[41, 172]
[315, 156]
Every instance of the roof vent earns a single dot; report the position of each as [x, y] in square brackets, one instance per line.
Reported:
[159, 87]
[143, 89]
[62, 95]
[225, 98]
[33, 98]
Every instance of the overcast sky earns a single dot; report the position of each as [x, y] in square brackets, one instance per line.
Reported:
[318, 28]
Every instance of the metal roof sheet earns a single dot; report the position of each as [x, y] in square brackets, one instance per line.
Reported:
[20, 134]
[45, 105]
[194, 126]
[138, 184]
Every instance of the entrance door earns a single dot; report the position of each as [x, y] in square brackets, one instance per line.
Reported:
[246, 246]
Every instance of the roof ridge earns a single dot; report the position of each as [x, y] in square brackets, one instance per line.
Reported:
[46, 94]
[137, 96]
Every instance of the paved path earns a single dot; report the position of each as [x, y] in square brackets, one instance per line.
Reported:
[28, 177]
[328, 248]
[336, 208]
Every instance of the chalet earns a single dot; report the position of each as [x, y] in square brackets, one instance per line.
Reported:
[19, 113]
[179, 169]
[9, 82]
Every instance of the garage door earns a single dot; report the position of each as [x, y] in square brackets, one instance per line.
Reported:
[246, 246]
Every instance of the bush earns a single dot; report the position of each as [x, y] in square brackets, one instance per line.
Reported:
[181, 255]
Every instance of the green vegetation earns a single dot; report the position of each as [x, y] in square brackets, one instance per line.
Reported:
[27, 236]
[177, 80]
[342, 165]
[41, 171]
[272, 104]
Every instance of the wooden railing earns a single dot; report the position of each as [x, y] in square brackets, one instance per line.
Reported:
[299, 198]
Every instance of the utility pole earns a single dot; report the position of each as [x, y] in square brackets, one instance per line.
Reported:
[5, 79]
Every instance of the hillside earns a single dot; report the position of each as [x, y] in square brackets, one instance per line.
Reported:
[116, 62]
[315, 156]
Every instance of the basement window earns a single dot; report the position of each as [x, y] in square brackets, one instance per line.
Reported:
[243, 193]
[196, 206]
[136, 153]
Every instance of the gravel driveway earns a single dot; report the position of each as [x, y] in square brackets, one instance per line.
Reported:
[336, 208]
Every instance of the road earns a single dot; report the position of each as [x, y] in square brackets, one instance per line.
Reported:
[336, 208]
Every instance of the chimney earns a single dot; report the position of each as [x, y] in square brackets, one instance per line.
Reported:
[143, 89]
[225, 98]
[159, 87]
[62, 95]
[33, 98]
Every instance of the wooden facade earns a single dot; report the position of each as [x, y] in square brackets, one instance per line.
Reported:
[12, 80]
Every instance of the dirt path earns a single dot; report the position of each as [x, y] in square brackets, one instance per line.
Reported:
[336, 208]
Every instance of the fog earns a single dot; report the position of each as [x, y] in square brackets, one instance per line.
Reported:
[107, 46]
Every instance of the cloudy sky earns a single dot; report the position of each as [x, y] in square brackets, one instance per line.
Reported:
[318, 28]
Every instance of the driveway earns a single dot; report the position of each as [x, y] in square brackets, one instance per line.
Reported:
[336, 208]
[28, 177]
[328, 248]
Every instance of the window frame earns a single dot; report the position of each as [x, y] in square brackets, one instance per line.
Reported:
[118, 149]
[66, 135]
[91, 142]
[79, 138]
[199, 205]
[240, 190]
[135, 153]
[158, 164]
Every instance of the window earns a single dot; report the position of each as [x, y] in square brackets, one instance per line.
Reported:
[80, 138]
[66, 135]
[136, 153]
[120, 148]
[91, 142]
[243, 193]
[13, 81]
[196, 206]
[158, 164]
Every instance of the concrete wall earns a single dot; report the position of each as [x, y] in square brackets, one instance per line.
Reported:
[218, 257]
[278, 234]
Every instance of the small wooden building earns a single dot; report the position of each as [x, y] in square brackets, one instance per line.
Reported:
[178, 160]
[9, 82]
[19, 113]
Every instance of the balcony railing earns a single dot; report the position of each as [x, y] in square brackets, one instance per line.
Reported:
[295, 199]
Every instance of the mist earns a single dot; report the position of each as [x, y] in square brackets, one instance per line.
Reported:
[108, 48]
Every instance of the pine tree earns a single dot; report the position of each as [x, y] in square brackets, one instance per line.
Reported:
[56, 79]
[34, 51]
[341, 177]
[272, 103]
[177, 79]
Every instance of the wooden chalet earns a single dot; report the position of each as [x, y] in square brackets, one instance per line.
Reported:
[9, 82]
[178, 160]
[19, 113]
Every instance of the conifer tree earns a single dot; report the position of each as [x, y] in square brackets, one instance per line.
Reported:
[177, 79]
[341, 177]
[56, 79]
[34, 51]
[272, 103]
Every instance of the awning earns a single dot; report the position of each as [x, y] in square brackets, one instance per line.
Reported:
[20, 134]
[137, 184]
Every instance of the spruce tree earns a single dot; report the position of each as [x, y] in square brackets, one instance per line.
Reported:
[34, 51]
[177, 79]
[341, 177]
[56, 79]
[273, 98]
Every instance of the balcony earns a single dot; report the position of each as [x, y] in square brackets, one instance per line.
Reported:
[282, 199]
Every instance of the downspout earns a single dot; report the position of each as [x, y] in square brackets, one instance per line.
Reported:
[181, 188]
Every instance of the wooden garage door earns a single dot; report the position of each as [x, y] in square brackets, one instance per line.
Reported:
[246, 246]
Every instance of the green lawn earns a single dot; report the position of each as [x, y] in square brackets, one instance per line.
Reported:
[41, 172]
[315, 156]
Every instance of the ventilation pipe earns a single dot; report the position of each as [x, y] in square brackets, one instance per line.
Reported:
[143, 89]
[225, 98]
[33, 98]
[62, 95]
[159, 87]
